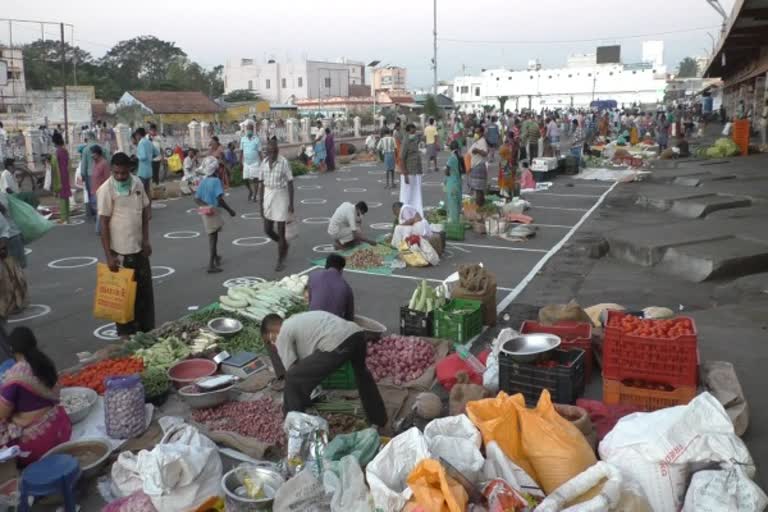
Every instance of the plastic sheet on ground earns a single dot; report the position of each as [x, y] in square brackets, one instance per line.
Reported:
[384, 269]
[602, 174]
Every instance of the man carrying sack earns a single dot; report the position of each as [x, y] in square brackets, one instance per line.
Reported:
[124, 213]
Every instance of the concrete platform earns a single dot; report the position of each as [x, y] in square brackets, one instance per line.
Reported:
[715, 259]
[696, 208]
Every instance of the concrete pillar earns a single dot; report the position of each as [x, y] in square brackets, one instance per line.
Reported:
[423, 120]
[290, 128]
[193, 135]
[304, 129]
[123, 138]
[205, 134]
[264, 129]
[356, 122]
[32, 147]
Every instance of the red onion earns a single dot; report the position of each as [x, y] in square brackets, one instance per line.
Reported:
[404, 358]
[261, 419]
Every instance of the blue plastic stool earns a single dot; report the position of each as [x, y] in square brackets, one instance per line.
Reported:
[54, 474]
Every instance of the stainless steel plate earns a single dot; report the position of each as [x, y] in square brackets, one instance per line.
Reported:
[527, 347]
[225, 326]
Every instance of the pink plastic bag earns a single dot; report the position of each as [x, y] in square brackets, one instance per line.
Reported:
[136, 502]
[447, 368]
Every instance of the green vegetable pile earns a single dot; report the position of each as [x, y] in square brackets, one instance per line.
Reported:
[247, 340]
[436, 216]
[724, 147]
[155, 381]
[426, 298]
[164, 353]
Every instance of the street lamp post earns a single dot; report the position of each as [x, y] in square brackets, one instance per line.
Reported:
[373, 65]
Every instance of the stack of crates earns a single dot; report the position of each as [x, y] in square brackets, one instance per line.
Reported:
[648, 370]
[562, 374]
[573, 335]
[459, 320]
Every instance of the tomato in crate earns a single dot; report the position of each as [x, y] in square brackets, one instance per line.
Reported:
[574, 335]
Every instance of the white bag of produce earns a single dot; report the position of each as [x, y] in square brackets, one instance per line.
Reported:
[498, 465]
[348, 489]
[491, 374]
[659, 449]
[615, 494]
[724, 489]
[388, 471]
[457, 440]
[179, 473]
[303, 493]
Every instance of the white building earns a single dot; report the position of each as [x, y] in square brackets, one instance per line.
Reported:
[12, 81]
[278, 82]
[575, 85]
[390, 78]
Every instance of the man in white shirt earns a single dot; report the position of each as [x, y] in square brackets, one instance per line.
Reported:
[345, 225]
[274, 186]
[7, 178]
[308, 347]
[250, 158]
[124, 213]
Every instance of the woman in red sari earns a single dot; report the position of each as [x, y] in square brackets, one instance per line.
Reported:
[30, 415]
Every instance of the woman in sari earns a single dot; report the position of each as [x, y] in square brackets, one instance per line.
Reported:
[330, 150]
[319, 148]
[60, 185]
[453, 172]
[507, 166]
[397, 134]
[30, 415]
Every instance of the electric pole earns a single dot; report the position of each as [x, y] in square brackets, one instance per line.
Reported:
[64, 83]
[434, 48]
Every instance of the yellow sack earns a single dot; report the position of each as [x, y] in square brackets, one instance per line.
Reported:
[412, 258]
[556, 449]
[434, 490]
[115, 294]
[497, 420]
[174, 163]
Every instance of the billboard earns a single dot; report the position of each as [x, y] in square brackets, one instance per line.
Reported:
[3, 72]
[609, 54]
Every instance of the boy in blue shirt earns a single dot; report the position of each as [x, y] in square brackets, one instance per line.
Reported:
[210, 197]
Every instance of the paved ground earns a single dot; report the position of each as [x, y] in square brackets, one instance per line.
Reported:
[61, 268]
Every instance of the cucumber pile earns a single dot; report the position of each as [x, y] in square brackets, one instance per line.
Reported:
[260, 299]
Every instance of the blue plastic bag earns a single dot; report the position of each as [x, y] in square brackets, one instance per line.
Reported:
[31, 224]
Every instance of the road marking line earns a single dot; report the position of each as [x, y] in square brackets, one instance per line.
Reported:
[522, 249]
[400, 276]
[533, 207]
[562, 195]
[543, 261]
[563, 226]
[462, 249]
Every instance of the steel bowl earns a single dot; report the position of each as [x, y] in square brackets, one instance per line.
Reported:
[529, 348]
[225, 326]
[202, 400]
[92, 454]
[90, 395]
[234, 488]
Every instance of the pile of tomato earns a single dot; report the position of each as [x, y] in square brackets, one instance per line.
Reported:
[665, 329]
[94, 375]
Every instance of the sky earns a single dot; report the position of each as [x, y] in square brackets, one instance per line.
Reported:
[472, 35]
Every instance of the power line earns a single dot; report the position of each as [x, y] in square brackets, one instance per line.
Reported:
[565, 41]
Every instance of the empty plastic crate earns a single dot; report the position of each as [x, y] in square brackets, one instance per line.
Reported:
[646, 398]
[572, 334]
[459, 320]
[673, 361]
[565, 382]
[415, 323]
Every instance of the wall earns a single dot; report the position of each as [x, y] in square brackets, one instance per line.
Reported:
[13, 90]
[50, 105]
[563, 87]
[339, 75]
[390, 78]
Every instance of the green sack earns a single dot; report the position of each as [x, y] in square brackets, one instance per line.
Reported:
[31, 224]
[362, 445]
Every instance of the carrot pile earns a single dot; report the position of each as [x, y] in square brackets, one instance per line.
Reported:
[93, 375]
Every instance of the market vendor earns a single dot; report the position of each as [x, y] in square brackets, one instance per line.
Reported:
[308, 347]
[329, 291]
[30, 415]
[409, 222]
[345, 226]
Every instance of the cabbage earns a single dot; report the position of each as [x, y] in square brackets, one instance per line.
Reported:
[727, 147]
[714, 152]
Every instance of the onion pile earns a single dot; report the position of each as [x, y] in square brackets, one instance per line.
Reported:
[261, 419]
[404, 358]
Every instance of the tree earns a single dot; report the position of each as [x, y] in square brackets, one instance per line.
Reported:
[240, 95]
[141, 62]
[688, 68]
[42, 63]
[502, 101]
[431, 109]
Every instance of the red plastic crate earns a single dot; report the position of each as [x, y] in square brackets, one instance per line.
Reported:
[616, 392]
[673, 361]
[572, 334]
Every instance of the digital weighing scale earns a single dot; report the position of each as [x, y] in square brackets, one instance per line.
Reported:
[242, 364]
